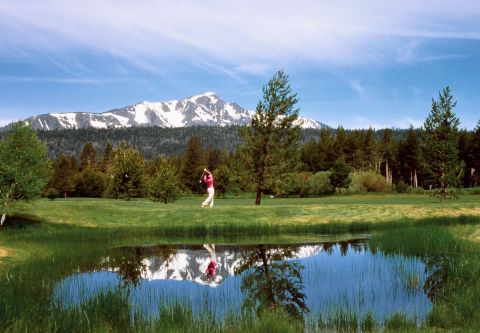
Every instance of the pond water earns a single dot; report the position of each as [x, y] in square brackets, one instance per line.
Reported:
[307, 279]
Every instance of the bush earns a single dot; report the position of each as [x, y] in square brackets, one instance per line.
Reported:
[165, 185]
[401, 187]
[51, 193]
[90, 183]
[320, 183]
[370, 181]
[293, 184]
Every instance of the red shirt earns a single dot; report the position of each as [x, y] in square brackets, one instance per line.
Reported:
[208, 179]
[211, 268]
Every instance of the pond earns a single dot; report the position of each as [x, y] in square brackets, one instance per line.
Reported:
[309, 280]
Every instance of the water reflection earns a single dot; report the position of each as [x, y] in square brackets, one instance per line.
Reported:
[272, 282]
[300, 279]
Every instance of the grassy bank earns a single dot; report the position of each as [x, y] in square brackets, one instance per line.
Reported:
[106, 220]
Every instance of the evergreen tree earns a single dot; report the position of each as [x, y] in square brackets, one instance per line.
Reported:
[339, 178]
[387, 150]
[325, 155]
[214, 158]
[90, 183]
[193, 166]
[475, 156]
[353, 149]
[464, 144]
[106, 163]
[271, 140]
[441, 139]
[127, 173]
[370, 151]
[164, 186]
[64, 170]
[222, 179]
[24, 171]
[339, 144]
[410, 155]
[88, 157]
[309, 156]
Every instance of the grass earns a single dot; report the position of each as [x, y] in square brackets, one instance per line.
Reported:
[64, 234]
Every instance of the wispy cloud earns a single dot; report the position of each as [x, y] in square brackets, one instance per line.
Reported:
[245, 34]
[357, 87]
[74, 80]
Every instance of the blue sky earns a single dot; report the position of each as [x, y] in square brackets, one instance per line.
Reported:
[352, 63]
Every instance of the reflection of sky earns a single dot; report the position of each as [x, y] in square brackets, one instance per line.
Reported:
[359, 282]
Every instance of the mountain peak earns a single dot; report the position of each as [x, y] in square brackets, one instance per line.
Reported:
[206, 109]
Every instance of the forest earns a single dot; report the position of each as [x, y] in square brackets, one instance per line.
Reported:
[377, 160]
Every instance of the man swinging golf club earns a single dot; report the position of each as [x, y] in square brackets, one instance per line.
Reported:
[207, 178]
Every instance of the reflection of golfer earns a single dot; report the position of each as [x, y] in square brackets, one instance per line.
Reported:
[210, 271]
[208, 180]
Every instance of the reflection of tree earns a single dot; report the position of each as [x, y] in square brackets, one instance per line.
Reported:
[271, 282]
[129, 262]
[438, 274]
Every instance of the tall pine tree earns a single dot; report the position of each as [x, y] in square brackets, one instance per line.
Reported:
[271, 140]
[441, 143]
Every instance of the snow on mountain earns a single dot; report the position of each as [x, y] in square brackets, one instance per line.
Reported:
[191, 264]
[207, 109]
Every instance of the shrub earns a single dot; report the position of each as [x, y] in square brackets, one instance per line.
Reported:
[401, 187]
[90, 183]
[320, 183]
[370, 181]
[51, 193]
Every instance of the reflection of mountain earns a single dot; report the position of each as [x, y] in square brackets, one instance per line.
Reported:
[323, 278]
[190, 263]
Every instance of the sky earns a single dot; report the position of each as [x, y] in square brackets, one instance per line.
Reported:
[357, 64]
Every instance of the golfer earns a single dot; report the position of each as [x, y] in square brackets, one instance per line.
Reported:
[208, 180]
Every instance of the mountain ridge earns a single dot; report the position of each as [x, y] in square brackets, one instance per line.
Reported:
[206, 109]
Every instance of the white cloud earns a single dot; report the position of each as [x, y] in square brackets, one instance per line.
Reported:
[245, 34]
[357, 87]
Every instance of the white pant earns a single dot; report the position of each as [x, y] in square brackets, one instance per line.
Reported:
[209, 200]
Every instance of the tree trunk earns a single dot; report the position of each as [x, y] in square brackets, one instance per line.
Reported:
[4, 215]
[415, 179]
[258, 198]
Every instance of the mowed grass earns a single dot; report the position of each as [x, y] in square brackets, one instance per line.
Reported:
[108, 213]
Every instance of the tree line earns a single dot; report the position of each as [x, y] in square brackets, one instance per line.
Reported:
[269, 157]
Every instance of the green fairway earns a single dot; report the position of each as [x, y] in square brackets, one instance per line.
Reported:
[187, 212]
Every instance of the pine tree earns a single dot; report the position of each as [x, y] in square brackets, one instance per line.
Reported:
[88, 157]
[106, 163]
[475, 156]
[370, 151]
[387, 150]
[271, 140]
[325, 154]
[64, 170]
[411, 157]
[194, 165]
[339, 144]
[441, 140]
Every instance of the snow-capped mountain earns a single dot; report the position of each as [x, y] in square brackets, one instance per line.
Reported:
[202, 110]
[190, 264]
